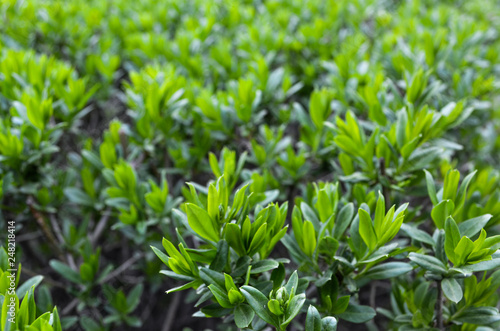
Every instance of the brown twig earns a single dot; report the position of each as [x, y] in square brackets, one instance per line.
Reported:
[70, 307]
[57, 229]
[169, 319]
[100, 227]
[43, 226]
[122, 268]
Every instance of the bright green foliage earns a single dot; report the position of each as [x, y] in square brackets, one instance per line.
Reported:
[19, 309]
[294, 165]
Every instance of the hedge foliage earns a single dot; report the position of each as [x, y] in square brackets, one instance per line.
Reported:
[299, 165]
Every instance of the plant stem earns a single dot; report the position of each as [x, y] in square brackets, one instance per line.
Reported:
[171, 315]
[40, 219]
[439, 307]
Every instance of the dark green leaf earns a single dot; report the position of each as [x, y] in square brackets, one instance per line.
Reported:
[388, 270]
[258, 302]
[243, 315]
[357, 314]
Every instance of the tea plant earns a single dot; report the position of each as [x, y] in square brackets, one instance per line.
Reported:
[288, 165]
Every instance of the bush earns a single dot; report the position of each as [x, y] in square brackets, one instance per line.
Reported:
[293, 165]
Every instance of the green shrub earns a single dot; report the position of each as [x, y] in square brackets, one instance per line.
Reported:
[298, 165]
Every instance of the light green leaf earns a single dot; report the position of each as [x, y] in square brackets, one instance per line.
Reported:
[258, 302]
[366, 229]
[450, 185]
[201, 222]
[441, 211]
[294, 307]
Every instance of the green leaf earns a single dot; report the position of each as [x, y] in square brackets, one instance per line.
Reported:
[431, 187]
[309, 238]
[441, 211]
[388, 270]
[452, 238]
[357, 314]
[451, 185]
[235, 297]
[344, 219]
[366, 229]
[65, 271]
[479, 316]
[78, 196]
[417, 234]
[482, 266]
[213, 202]
[278, 276]
[379, 215]
[319, 107]
[291, 285]
[275, 307]
[258, 302]
[201, 223]
[472, 226]
[220, 259]
[263, 266]
[258, 239]
[309, 215]
[428, 262]
[214, 310]
[193, 284]
[439, 246]
[56, 321]
[243, 315]
[294, 307]
[134, 297]
[23, 289]
[233, 237]
[213, 277]
[323, 206]
[214, 164]
[463, 250]
[313, 319]
[452, 290]
[328, 246]
[462, 191]
[401, 123]
[162, 256]
[341, 304]
[86, 272]
[220, 295]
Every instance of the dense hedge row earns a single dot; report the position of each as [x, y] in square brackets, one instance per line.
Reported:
[300, 165]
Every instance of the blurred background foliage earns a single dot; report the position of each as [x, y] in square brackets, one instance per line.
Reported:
[108, 109]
